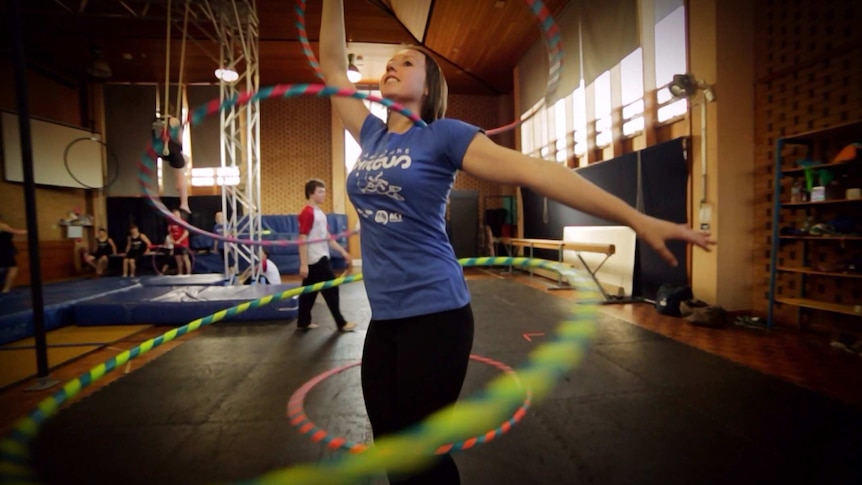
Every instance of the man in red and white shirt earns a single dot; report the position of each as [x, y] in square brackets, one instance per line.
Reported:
[314, 265]
[180, 239]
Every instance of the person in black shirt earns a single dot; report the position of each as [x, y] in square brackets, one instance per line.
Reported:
[105, 248]
[136, 246]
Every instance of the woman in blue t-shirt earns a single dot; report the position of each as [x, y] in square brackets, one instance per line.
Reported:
[421, 332]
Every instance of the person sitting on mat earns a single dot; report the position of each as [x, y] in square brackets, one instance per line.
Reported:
[269, 270]
[105, 248]
[421, 333]
[180, 239]
[136, 245]
[218, 228]
[314, 265]
[269, 274]
[7, 254]
[172, 152]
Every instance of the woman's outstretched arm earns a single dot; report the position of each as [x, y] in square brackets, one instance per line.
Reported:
[485, 159]
[333, 64]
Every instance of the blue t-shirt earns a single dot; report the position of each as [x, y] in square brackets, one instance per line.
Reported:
[400, 186]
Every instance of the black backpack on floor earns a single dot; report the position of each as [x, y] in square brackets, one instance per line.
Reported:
[669, 298]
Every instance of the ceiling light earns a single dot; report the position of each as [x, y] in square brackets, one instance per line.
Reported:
[353, 73]
[226, 75]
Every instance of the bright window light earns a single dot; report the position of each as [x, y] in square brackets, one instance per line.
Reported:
[527, 137]
[670, 47]
[352, 150]
[560, 129]
[663, 95]
[633, 126]
[634, 109]
[672, 110]
[632, 77]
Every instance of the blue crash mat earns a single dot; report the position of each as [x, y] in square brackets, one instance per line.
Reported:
[16, 315]
[184, 280]
[179, 305]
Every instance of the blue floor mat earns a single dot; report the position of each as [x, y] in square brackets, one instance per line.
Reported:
[16, 315]
[179, 305]
[184, 280]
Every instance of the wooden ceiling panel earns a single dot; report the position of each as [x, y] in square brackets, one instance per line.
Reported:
[365, 21]
[476, 43]
[493, 41]
[413, 14]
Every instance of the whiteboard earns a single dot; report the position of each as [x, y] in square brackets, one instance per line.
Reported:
[49, 141]
[619, 270]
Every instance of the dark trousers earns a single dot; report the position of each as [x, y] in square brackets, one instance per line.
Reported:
[412, 367]
[317, 272]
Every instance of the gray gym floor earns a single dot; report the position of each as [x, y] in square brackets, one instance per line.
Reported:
[641, 409]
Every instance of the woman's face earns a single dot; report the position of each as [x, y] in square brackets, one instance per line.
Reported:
[404, 80]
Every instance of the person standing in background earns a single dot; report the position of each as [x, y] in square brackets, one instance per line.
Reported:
[314, 265]
[7, 254]
[180, 238]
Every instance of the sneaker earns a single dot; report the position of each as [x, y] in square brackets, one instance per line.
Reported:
[310, 326]
[348, 327]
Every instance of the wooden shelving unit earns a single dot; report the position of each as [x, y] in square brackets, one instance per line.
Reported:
[820, 305]
[841, 135]
[811, 271]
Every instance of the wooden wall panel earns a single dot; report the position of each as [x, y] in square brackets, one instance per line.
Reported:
[57, 260]
[808, 77]
[50, 100]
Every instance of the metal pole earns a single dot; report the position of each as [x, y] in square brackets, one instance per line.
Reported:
[30, 199]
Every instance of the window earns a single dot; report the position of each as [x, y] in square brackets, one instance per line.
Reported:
[540, 131]
[670, 55]
[632, 80]
[579, 119]
[632, 75]
[672, 110]
[602, 87]
[670, 59]
[526, 135]
[351, 146]
[560, 130]
[211, 177]
[529, 136]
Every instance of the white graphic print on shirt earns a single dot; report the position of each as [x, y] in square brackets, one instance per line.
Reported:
[369, 179]
[376, 184]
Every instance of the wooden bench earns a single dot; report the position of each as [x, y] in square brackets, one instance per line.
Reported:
[532, 244]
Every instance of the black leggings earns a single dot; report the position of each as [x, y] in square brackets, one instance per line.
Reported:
[317, 272]
[412, 367]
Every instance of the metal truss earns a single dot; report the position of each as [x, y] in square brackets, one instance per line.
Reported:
[235, 24]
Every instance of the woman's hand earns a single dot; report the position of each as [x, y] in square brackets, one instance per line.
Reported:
[656, 233]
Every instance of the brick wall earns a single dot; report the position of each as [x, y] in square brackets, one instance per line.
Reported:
[295, 145]
[809, 75]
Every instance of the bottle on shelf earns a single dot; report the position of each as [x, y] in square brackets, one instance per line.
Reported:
[796, 192]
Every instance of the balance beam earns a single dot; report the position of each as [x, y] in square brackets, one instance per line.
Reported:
[607, 249]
